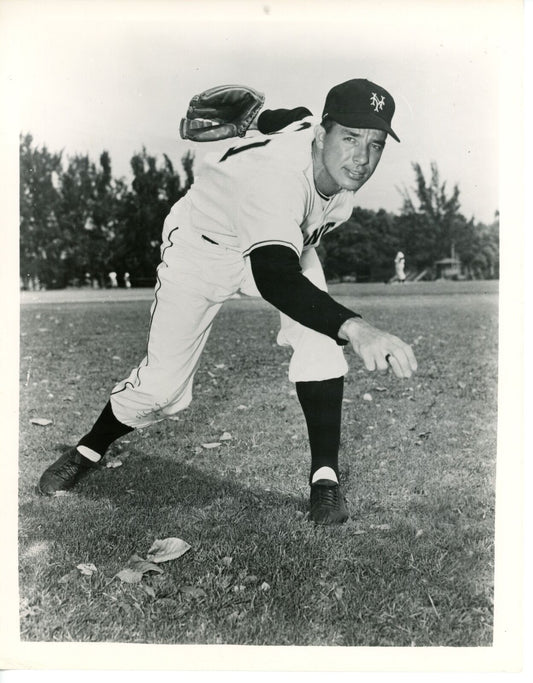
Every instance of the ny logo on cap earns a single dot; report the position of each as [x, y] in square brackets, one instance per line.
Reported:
[377, 103]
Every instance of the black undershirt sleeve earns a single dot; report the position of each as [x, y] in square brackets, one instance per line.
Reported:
[272, 120]
[280, 281]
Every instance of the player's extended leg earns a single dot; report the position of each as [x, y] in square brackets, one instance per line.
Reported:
[192, 285]
[318, 367]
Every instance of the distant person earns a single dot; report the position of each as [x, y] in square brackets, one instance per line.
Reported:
[113, 279]
[399, 265]
[251, 223]
[127, 282]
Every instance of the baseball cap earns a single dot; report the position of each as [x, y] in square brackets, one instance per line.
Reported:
[359, 103]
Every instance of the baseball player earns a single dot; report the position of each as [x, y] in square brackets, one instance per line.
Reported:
[250, 223]
[399, 266]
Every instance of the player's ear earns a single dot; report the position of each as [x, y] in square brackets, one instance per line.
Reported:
[320, 134]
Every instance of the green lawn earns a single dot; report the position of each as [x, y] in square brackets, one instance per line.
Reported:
[413, 566]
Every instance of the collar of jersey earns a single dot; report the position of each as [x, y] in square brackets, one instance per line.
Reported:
[324, 196]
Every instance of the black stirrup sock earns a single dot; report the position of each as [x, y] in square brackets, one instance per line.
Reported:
[322, 407]
[105, 430]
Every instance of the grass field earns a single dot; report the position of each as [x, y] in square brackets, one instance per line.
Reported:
[412, 567]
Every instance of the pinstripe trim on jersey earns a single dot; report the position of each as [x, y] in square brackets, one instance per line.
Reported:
[268, 243]
[119, 391]
[157, 288]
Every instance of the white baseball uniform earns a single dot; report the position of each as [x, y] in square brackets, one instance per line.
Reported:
[259, 191]
[399, 263]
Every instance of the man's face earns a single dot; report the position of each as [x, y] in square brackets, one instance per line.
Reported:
[346, 157]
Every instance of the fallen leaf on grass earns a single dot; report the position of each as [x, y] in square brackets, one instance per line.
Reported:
[112, 464]
[235, 616]
[41, 421]
[140, 565]
[367, 397]
[71, 576]
[338, 593]
[380, 527]
[167, 549]
[242, 407]
[214, 444]
[149, 591]
[225, 437]
[87, 569]
[134, 570]
[129, 576]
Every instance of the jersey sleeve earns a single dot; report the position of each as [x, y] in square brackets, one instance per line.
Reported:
[271, 210]
[272, 120]
[280, 281]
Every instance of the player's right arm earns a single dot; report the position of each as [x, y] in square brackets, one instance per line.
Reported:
[378, 349]
[268, 215]
[280, 281]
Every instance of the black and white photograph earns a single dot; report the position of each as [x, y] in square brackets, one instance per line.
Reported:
[263, 390]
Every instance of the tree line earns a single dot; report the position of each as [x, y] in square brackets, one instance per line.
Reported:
[78, 224]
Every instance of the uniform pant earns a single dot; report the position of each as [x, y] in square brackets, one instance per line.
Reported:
[194, 279]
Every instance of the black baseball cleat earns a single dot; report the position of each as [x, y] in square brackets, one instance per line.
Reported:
[65, 472]
[327, 503]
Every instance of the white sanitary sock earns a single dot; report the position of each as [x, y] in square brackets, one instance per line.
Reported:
[324, 473]
[88, 453]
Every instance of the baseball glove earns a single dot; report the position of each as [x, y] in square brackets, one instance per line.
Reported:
[225, 111]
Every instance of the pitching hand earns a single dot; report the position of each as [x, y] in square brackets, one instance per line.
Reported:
[379, 349]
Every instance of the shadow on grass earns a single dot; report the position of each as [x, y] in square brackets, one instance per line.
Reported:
[241, 538]
[150, 497]
[326, 586]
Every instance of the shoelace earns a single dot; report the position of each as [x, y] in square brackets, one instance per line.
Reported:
[327, 496]
[71, 467]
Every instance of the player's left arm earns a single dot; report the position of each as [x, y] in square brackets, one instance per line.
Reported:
[228, 111]
[271, 121]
